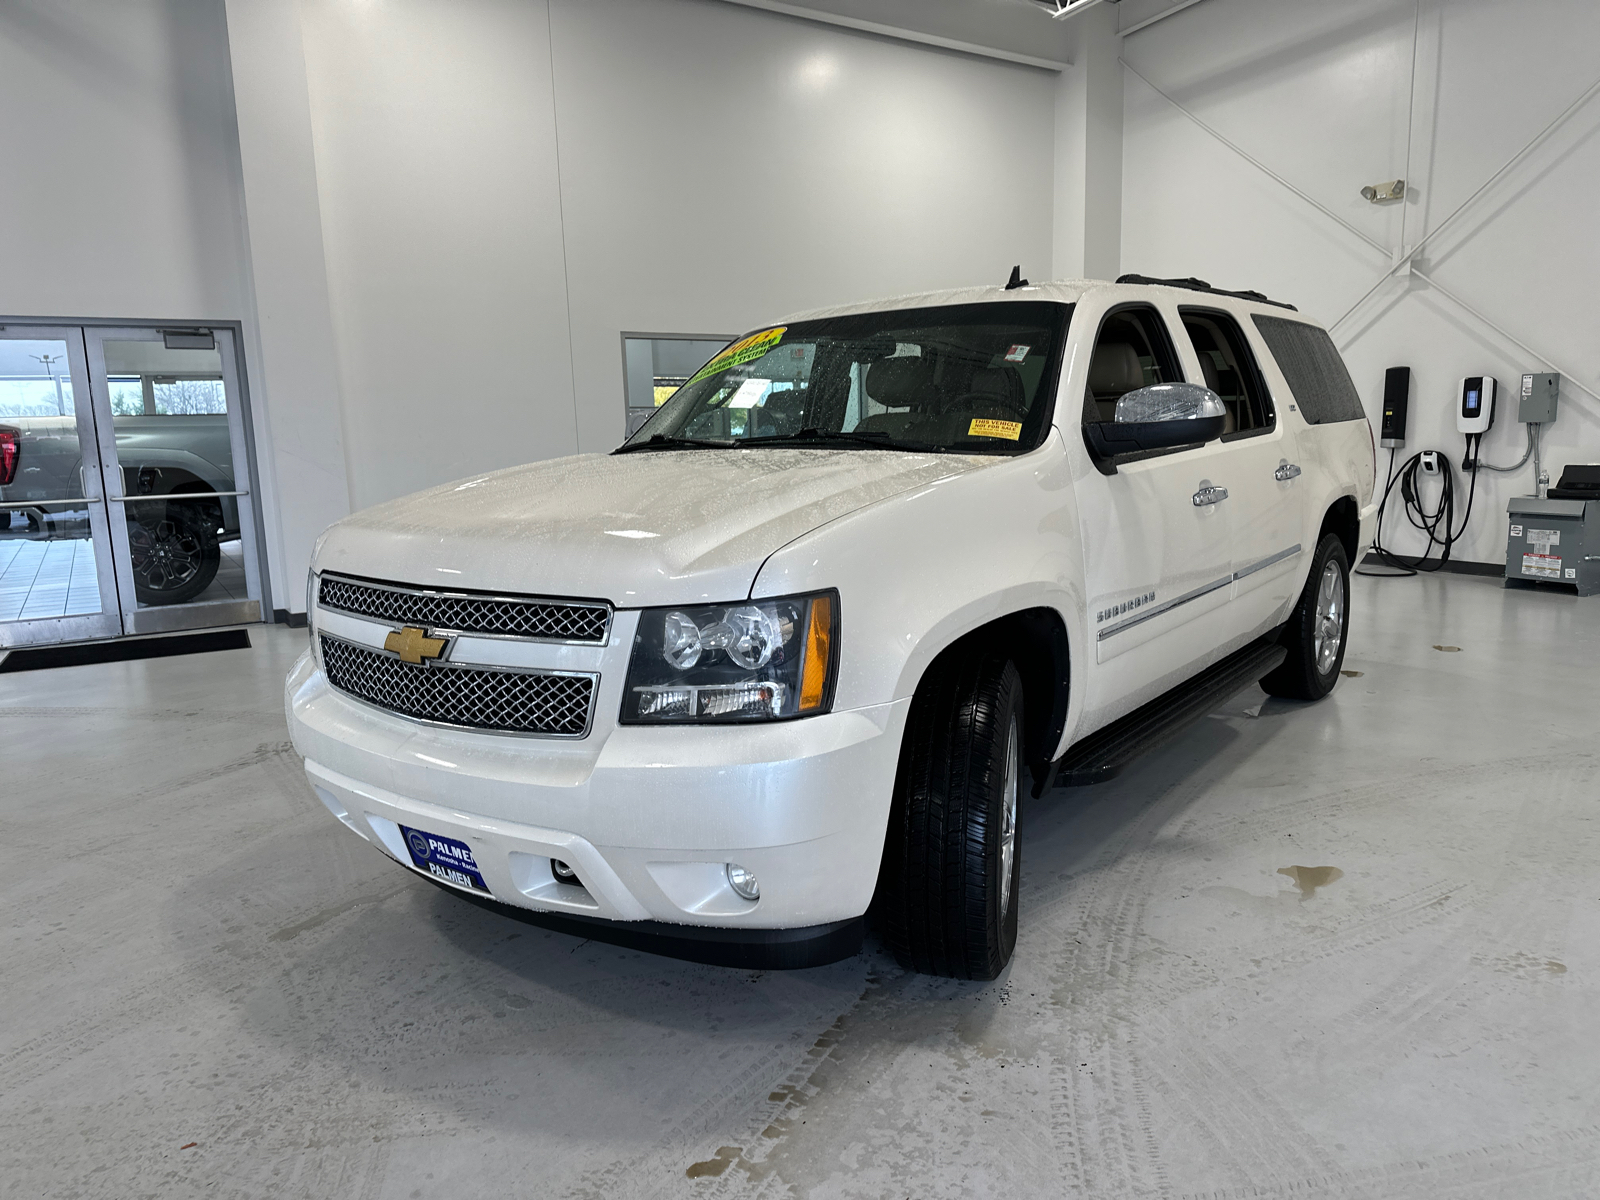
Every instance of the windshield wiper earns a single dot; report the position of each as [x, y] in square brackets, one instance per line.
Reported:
[662, 441]
[875, 440]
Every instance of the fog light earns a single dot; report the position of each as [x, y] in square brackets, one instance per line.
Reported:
[562, 872]
[743, 882]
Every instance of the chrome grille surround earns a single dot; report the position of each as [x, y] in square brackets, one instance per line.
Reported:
[517, 700]
[529, 618]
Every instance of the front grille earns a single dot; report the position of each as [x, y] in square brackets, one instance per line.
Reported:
[546, 620]
[472, 697]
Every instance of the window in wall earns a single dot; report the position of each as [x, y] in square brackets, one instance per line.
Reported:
[1230, 369]
[657, 365]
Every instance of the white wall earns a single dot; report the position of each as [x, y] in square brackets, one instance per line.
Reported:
[722, 166]
[690, 166]
[1088, 154]
[1318, 96]
[119, 193]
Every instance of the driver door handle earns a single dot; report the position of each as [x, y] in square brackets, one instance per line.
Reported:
[1286, 471]
[1210, 494]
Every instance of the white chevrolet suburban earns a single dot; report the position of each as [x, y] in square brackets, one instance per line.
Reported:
[798, 648]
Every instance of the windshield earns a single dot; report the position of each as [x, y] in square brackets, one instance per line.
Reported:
[969, 378]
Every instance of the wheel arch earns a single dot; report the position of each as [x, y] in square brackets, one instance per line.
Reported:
[1343, 518]
[1036, 642]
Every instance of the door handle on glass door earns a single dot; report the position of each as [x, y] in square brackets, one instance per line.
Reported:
[1209, 494]
[1286, 471]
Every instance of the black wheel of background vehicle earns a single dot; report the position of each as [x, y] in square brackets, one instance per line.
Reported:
[175, 553]
[1317, 630]
[948, 889]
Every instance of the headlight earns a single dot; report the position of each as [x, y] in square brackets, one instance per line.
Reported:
[759, 661]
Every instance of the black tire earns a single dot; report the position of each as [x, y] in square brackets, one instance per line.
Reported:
[175, 552]
[947, 897]
[1310, 671]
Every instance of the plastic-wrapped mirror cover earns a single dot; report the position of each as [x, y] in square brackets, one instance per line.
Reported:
[1169, 402]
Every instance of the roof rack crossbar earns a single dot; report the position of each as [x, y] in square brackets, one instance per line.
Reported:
[1200, 285]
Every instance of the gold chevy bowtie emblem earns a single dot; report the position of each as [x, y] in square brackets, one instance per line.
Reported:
[413, 644]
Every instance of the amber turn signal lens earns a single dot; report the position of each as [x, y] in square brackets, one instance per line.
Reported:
[819, 654]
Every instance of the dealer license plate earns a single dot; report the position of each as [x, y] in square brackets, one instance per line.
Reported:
[445, 858]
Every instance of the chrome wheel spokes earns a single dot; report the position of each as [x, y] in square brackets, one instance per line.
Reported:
[1008, 818]
[1328, 632]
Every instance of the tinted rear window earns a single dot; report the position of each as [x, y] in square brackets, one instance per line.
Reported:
[1316, 373]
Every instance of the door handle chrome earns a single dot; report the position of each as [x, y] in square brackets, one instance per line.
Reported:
[1286, 471]
[1210, 494]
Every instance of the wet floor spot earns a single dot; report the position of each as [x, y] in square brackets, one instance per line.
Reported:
[724, 1158]
[1352, 674]
[1523, 965]
[1449, 649]
[1309, 879]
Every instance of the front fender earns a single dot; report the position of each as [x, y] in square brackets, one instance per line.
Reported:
[917, 572]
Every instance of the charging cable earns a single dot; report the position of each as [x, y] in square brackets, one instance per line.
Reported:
[1438, 523]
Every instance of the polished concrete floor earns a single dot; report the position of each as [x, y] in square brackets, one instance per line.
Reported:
[1348, 949]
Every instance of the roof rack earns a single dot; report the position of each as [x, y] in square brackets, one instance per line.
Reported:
[1200, 285]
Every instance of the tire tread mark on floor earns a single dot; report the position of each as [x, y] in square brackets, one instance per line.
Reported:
[1481, 1172]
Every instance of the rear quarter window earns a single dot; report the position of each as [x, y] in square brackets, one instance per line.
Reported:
[1316, 373]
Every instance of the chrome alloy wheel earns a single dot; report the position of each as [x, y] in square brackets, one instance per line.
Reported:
[1008, 820]
[1328, 635]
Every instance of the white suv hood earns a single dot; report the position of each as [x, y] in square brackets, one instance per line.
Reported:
[653, 527]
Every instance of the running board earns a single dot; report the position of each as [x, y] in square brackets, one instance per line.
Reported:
[1104, 753]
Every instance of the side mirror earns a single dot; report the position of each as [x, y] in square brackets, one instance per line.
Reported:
[1160, 417]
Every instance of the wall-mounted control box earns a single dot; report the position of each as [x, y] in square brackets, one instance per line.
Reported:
[1537, 403]
[1396, 399]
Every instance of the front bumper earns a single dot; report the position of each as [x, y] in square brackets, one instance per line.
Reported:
[648, 817]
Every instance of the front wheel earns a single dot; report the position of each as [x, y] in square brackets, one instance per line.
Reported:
[1317, 630]
[948, 890]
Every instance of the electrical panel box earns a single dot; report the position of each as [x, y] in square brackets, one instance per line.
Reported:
[1537, 403]
[1554, 541]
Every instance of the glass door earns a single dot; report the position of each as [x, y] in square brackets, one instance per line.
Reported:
[57, 577]
[174, 456]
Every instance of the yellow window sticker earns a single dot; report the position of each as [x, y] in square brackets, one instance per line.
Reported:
[741, 351]
[982, 427]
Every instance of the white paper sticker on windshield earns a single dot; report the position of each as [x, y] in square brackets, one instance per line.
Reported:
[1018, 353]
[751, 394]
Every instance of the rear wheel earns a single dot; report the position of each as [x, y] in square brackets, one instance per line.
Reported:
[948, 892]
[1316, 632]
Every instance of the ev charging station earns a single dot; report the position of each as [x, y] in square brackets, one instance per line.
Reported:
[1552, 539]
